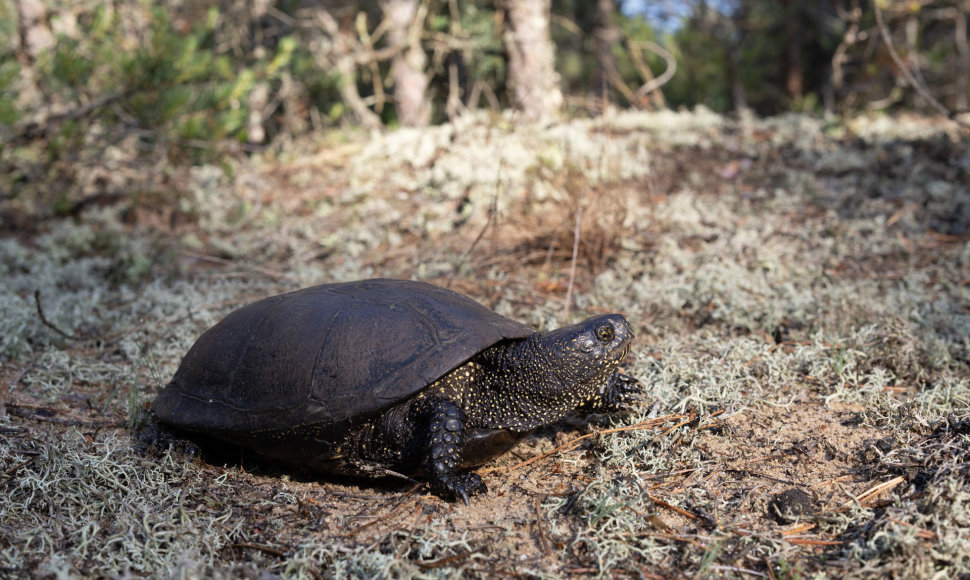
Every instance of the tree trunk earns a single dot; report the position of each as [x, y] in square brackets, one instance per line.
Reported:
[410, 82]
[532, 72]
[963, 58]
[607, 35]
[794, 71]
[35, 38]
[733, 37]
[35, 34]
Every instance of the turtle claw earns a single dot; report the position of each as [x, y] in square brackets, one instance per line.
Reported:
[619, 392]
[459, 486]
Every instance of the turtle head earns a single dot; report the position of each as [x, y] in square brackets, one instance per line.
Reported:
[587, 353]
[541, 379]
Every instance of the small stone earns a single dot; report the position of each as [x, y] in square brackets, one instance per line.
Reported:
[790, 505]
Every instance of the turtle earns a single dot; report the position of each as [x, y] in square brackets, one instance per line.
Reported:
[388, 377]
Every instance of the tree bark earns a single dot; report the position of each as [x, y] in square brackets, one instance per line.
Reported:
[963, 58]
[410, 81]
[733, 38]
[532, 72]
[606, 35]
[739, 97]
[794, 71]
[35, 34]
[35, 37]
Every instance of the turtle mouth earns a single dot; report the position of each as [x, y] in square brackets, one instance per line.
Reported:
[623, 352]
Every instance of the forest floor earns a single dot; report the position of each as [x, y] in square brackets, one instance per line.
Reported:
[800, 291]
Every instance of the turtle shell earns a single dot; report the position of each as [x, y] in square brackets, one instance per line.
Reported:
[310, 363]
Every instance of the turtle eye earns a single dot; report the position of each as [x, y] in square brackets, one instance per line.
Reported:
[605, 333]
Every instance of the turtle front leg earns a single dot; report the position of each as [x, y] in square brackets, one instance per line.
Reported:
[446, 438]
[615, 395]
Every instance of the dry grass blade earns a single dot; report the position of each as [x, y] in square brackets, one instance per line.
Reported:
[394, 511]
[920, 532]
[259, 547]
[770, 570]
[447, 561]
[690, 418]
[268, 272]
[799, 529]
[867, 497]
[811, 542]
[60, 417]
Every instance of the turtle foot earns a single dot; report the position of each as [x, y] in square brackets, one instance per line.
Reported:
[459, 486]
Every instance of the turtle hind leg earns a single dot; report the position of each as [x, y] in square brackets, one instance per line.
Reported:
[152, 438]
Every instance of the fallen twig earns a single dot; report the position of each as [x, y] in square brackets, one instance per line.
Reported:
[446, 561]
[51, 415]
[259, 547]
[573, 443]
[671, 506]
[642, 425]
[387, 516]
[252, 268]
[811, 542]
[48, 323]
[543, 542]
[800, 528]
[11, 470]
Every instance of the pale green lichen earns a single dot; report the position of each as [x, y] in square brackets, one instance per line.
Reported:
[798, 291]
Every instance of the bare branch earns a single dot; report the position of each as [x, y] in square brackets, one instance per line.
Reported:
[908, 73]
[667, 74]
[851, 36]
[48, 323]
[572, 266]
[30, 130]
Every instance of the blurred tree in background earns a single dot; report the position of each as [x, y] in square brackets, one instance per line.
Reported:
[96, 96]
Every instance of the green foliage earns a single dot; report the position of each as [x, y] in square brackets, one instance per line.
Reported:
[477, 50]
[9, 72]
[182, 88]
[153, 81]
[172, 83]
[636, 31]
[700, 78]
